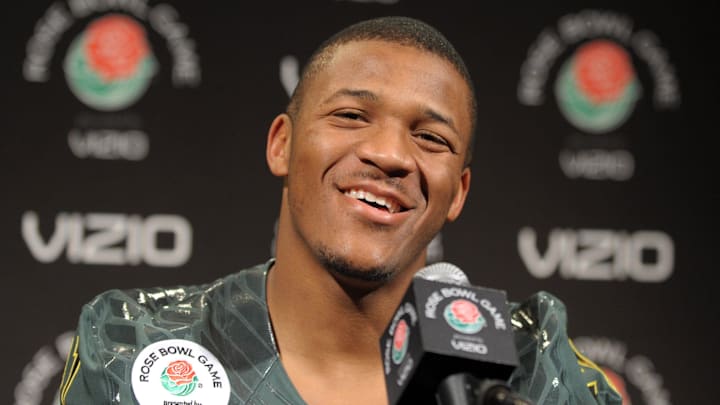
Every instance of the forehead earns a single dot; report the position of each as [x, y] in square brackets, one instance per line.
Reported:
[397, 73]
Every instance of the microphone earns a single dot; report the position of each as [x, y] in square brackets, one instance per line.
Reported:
[449, 343]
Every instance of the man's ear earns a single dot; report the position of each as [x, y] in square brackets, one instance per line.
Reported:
[460, 195]
[277, 150]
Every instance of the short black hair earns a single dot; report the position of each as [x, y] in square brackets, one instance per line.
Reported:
[405, 31]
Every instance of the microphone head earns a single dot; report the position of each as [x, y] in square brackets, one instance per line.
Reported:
[443, 272]
[445, 326]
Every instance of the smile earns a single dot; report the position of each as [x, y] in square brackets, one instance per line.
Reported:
[389, 204]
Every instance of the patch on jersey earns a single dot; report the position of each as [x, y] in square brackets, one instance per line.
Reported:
[178, 371]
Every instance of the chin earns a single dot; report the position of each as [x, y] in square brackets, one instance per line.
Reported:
[349, 271]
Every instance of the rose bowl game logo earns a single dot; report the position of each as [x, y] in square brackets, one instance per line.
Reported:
[464, 316]
[179, 378]
[597, 87]
[179, 371]
[599, 67]
[401, 338]
[109, 66]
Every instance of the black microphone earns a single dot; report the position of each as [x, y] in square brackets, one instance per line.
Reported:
[449, 343]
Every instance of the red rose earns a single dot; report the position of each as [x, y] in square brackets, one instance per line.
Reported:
[603, 70]
[401, 332]
[465, 311]
[180, 372]
[115, 45]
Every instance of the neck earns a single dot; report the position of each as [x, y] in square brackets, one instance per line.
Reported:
[328, 327]
[318, 313]
[312, 308]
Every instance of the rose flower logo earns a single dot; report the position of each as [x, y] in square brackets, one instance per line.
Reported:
[110, 65]
[597, 87]
[464, 316]
[179, 378]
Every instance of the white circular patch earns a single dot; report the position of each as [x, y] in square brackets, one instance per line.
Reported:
[179, 372]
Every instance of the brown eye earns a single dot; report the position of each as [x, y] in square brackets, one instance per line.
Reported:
[433, 138]
[432, 142]
[349, 115]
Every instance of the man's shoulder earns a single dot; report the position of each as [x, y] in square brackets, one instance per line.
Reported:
[171, 305]
[122, 321]
[552, 370]
[117, 324]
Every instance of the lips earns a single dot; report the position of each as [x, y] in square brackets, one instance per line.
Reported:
[385, 199]
[388, 203]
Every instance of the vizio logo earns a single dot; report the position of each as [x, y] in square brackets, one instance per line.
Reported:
[599, 254]
[111, 239]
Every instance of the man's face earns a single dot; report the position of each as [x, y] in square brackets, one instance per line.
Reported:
[375, 157]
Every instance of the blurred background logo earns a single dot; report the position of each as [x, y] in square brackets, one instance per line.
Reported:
[109, 66]
[597, 88]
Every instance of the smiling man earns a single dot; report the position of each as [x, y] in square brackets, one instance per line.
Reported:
[373, 153]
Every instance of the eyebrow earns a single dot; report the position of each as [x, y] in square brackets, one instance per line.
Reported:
[363, 94]
[436, 116]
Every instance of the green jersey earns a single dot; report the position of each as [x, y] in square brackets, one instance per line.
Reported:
[117, 354]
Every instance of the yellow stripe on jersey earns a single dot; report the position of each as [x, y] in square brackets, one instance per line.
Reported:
[583, 361]
[593, 386]
[72, 366]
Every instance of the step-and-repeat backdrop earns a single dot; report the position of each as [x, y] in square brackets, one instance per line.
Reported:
[132, 154]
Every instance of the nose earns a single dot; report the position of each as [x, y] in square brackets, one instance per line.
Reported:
[389, 149]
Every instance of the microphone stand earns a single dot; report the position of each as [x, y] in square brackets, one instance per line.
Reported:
[465, 389]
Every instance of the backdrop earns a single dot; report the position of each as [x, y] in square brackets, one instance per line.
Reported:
[132, 155]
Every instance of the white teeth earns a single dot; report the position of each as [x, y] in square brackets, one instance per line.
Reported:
[392, 206]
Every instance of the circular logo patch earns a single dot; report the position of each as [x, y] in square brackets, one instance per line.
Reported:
[401, 338]
[597, 88]
[179, 371]
[109, 65]
[464, 316]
